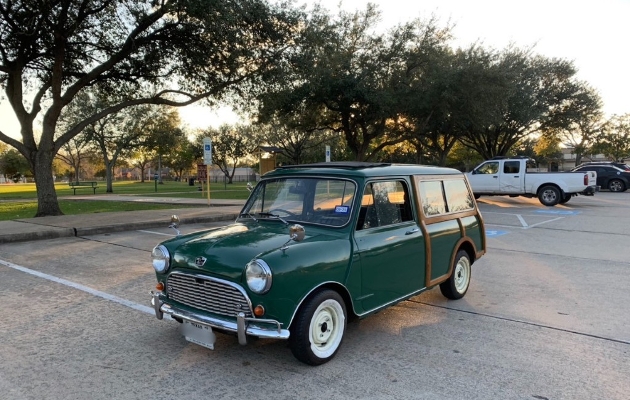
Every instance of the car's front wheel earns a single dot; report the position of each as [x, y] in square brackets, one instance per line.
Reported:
[456, 285]
[616, 186]
[318, 328]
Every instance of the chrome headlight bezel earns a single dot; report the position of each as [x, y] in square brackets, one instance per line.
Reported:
[258, 276]
[161, 259]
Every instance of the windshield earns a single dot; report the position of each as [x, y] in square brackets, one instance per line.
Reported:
[322, 201]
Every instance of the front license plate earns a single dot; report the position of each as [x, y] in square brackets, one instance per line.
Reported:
[199, 334]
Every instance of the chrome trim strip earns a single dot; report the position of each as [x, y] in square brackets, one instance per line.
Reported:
[398, 300]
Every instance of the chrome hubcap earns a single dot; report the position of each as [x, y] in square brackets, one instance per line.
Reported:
[462, 275]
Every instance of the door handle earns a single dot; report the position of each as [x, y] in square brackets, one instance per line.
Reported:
[517, 176]
[411, 232]
[495, 177]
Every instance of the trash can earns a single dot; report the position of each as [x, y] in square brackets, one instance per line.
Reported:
[191, 181]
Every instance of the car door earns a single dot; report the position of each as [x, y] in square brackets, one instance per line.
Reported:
[511, 178]
[389, 244]
[485, 178]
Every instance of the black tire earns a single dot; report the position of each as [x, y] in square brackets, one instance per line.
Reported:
[616, 185]
[549, 196]
[318, 328]
[565, 199]
[456, 286]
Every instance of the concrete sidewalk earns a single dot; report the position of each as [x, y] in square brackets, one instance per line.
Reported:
[28, 229]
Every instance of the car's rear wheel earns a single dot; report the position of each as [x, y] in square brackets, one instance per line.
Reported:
[456, 285]
[549, 196]
[318, 328]
[616, 185]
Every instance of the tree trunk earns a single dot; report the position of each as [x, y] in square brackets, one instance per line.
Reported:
[47, 203]
[108, 178]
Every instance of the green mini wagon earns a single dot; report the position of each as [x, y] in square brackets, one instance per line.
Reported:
[317, 245]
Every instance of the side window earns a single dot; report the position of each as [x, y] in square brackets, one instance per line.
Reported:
[432, 197]
[488, 168]
[511, 167]
[458, 197]
[384, 203]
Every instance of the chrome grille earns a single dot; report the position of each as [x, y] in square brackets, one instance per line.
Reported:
[207, 294]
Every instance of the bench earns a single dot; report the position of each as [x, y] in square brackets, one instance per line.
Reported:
[83, 185]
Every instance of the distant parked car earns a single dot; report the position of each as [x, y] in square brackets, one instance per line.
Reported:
[623, 166]
[609, 176]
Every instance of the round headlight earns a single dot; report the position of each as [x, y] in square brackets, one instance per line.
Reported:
[161, 259]
[258, 276]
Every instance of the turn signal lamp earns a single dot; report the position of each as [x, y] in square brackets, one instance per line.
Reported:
[259, 311]
[159, 286]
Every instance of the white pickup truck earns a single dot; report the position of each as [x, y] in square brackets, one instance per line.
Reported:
[509, 177]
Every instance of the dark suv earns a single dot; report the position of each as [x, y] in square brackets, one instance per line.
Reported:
[623, 166]
[609, 176]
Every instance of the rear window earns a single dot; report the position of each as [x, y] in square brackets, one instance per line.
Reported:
[440, 197]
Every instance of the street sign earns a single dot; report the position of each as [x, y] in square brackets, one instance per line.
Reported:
[207, 151]
[202, 172]
[327, 153]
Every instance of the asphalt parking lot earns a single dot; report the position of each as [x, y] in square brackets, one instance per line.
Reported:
[545, 318]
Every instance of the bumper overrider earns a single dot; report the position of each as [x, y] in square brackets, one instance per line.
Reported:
[244, 326]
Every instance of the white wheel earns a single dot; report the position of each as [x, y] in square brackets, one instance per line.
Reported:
[326, 328]
[318, 328]
[457, 284]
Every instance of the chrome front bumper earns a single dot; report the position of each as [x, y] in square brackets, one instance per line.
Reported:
[243, 326]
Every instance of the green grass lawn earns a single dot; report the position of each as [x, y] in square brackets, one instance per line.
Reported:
[23, 192]
[168, 188]
[27, 209]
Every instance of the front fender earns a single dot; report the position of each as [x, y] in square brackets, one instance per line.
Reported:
[298, 270]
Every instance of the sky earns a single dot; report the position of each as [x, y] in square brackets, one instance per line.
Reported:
[593, 34]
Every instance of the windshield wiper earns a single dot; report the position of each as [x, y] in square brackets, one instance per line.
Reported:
[248, 215]
[267, 214]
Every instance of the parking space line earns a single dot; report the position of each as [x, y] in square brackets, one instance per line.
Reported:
[520, 218]
[544, 222]
[74, 285]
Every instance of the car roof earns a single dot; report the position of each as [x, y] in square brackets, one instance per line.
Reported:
[360, 169]
[613, 166]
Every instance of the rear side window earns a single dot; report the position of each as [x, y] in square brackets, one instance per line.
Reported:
[458, 197]
[448, 196]
[432, 198]
[511, 167]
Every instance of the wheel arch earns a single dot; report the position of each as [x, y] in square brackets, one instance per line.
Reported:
[543, 185]
[469, 248]
[334, 286]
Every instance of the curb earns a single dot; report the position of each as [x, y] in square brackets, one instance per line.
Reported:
[59, 232]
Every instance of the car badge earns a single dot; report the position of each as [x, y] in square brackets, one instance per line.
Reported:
[200, 261]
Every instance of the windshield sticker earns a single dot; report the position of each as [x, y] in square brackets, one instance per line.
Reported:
[342, 209]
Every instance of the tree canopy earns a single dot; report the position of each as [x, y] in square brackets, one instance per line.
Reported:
[170, 52]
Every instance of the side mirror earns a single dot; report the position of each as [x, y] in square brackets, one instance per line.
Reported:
[297, 232]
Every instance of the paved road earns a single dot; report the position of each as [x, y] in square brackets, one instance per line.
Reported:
[545, 318]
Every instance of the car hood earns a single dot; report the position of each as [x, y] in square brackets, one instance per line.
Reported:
[226, 251]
